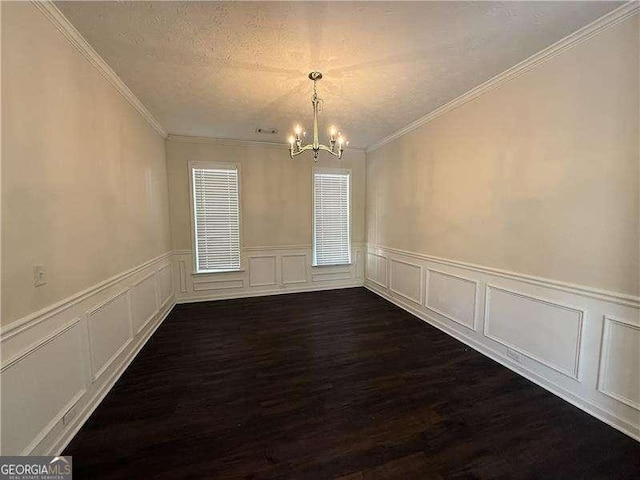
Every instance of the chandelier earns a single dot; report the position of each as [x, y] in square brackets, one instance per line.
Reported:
[295, 142]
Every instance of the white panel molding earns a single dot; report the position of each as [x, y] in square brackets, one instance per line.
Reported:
[598, 294]
[182, 273]
[69, 398]
[34, 347]
[359, 266]
[57, 18]
[293, 273]
[420, 286]
[609, 323]
[57, 445]
[581, 313]
[469, 338]
[209, 284]
[164, 275]
[451, 317]
[256, 272]
[98, 370]
[584, 378]
[386, 270]
[330, 276]
[609, 20]
[29, 321]
[27, 351]
[305, 267]
[138, 325]
[54, 421]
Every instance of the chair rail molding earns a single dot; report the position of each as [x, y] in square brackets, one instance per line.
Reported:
[270, 270]
[576, 341]
[583, 290]
[76, 349]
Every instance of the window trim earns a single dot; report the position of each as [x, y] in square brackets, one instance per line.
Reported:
[213, 165]
[335, 171]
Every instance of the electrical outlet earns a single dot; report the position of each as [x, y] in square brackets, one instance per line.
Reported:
[39, 278]
[514, 355]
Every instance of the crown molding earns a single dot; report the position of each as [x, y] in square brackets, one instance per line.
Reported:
[230, 142]
[610, 19]
[57, 18]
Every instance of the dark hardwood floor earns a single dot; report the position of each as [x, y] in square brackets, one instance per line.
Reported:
[335, 384]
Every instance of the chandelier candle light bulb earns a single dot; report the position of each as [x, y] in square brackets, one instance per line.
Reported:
[295, 143]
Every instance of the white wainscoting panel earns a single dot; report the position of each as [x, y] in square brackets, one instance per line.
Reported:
[376, 270]
[453, 297]
[182, 276]
[330, 273]
[359, 266]
[548, 332]
[406, 280]
[165, 284]
[294, 268]
[580, 343]
[58, 363]
[110, 332]
[270, 270]
[207, 283]
[38, 392]
[262, 270]
[619, 371]
[144, 302]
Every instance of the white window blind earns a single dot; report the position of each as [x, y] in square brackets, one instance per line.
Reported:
[216, 219]
[331, 235]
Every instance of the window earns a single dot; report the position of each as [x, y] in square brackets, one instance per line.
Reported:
[331, 205]
[216, 217]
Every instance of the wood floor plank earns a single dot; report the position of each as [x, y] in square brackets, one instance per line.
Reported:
[333, 384]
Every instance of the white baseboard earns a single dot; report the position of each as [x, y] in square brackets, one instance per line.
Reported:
[79, 347]
[268, 270]
[92, 403]
[560, 337]
[264, 293]
[66, 344]
[76, 350]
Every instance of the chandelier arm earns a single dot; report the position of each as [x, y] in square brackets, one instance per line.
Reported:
[302, 149]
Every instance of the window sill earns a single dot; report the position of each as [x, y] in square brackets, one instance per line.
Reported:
[333, 265]
[216, 272]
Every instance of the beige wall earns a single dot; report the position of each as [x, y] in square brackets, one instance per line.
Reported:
[539, 176]
[84, 185]
[276, 191]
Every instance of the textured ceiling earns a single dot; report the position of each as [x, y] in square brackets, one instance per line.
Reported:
[223, 69]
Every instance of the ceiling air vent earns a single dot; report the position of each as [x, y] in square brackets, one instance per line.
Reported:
[267, 131]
